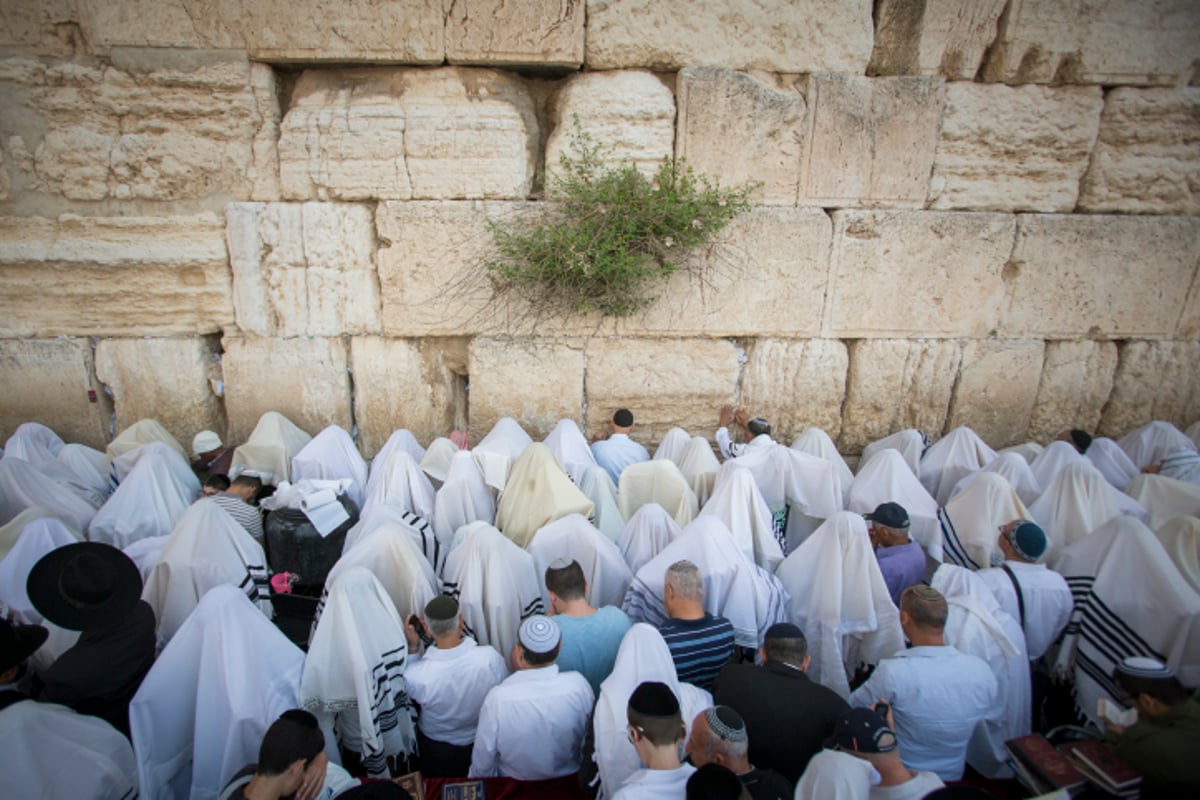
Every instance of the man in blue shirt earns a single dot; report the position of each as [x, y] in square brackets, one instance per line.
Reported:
[901, 560]
[700, 643]
[590, 636]
[617, 451]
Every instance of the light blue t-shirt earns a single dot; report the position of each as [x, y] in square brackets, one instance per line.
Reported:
[589, 644]
[616, 453]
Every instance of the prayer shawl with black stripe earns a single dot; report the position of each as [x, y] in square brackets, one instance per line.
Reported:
[971, 520]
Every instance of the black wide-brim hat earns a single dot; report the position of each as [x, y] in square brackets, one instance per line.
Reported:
[84, 585]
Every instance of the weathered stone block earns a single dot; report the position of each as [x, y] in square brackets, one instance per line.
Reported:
[895, 384]
[306, 380]
[775, 35]
[1099, 276]
[400, 383]
[1077, 378]
[46, 27]
[303, 269]
[935, 37]
[870, 140]
[1154, 380]
[742, 130]
[796, 384]
[522, 33]
[113, 276]
[997, 387]
[1147, 159]
[406, 133]
[53, 381]
[1014, 149]
[170, 380]
[536, 381]
[918, 273]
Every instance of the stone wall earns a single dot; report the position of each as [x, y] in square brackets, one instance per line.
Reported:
[979, 212]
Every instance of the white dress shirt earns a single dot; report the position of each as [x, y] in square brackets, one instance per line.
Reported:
[656, 784]
[531, 726]
[450, 685]
[730, 449]
[616, 453]
[1048, 601]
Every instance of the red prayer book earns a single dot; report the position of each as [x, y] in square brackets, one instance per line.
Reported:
[1096, 758]
[1038, 756]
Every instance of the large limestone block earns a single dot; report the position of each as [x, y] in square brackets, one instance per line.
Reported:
[390, 31]
[774, 35]
[537, 33]
[535, 380]
[917, 273]
[895, 384]
[53, 381]
[402, 383]
[934, 37]
[113, 276]
[1077, 378]
[303, 269]
[1100, 276]
[46, 27]
[741, 130]
[1143, 42]
[1014, 149]
[1154, 380]
[306, 380]
[870, 141]
[170, 380]
[796, 384]
[997, 388]
[1147, 159]
[407, 133]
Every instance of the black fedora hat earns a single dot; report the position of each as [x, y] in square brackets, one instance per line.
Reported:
[84, 585]
[19, 642]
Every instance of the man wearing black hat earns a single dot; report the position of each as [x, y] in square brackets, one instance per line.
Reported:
[17, 644]
[655, 729]
[901, 560]
[864, 734]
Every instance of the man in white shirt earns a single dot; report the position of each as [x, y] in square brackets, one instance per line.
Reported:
[531, 726]
[449, 684]
[758, 429]
[655, 728]
[617, 451]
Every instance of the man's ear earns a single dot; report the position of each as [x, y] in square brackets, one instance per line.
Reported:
[807, 661]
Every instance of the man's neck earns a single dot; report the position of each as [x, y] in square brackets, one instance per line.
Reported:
[575, 608]
[892, 771]
[262, 787]
[923, 638]
[687, 611]
[664, 758]
[448, 642]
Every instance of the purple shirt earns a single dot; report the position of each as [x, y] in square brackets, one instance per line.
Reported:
[902, 566]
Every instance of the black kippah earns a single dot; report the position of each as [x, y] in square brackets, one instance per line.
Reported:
[654, 699]
[623, 418]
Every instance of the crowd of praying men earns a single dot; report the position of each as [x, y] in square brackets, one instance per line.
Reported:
[594, 621]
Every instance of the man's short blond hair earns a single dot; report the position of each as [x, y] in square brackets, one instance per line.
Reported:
[684, 579]
[925, 605]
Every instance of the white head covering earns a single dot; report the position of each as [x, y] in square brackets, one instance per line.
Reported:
[1076, 503]
[34, 443]
[816, 442]
[498, 451]
[738, 503]
[90, 468]
[355, 668]
[699, 467]
[167, 460]
[1164, 498]
[1013, 469]
[809, 486]
[269, 451]
[575, 539]
[1182, 464]
[1108, 457]
[464, 498]
[835, 775]
[910, 443]
[150, 500]
[401, 440]
[1153, 442]
[419, 531]
[657, 481]
[1180, 537]
[597, 485]
[839, 599]
[571, 449]
[647, 534]
[146, 553]
[956, 455]
[24, 487]
[331, 455]
[971, 521]
[1027, 450]
[886, 478]
[201, 713]
[437, 459]
[11, 530]
[673, 444]
[37, 539]
[1054, 459]
[143, 432]
[539, 492]
[388, 551]
[398, 482]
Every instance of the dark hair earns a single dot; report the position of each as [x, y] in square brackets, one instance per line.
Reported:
[759, 426]
[248, 482]
[623, 418]
[791, 650]
[660, 731]
[713, 782]
[1081, 439]
[1165, 690]
[539, 659]
[217, 481]
[295, 736]
[926, 606]
[566, 582]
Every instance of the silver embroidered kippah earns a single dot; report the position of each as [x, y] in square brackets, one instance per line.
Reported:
[539, 634]
[726, 723]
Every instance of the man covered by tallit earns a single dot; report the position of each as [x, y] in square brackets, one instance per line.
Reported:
[1013, 469]
[537, 492]
[1180, 537]
[887, 478]
[269, 450]
[971, 520]
[573, 538]
[910, 443]
[657, 481]
[738, 503]
[816, 442]
[23, 487]
[571, 449]
[1164, 498]
[498, 452]
[463, 498]
[646, 534]
[699, 467]
[152, 497]
[950, 459]
[1077, 502]
[332, 455]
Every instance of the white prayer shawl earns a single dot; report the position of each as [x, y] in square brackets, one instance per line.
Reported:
[269, 451]
[1180, 537]
[200, 714]
[809, 486]
[1193, 433]
[398, 482]
[910, 443]
[839, 599]
[835, 775]
[331, 455]
[37, 539]
[886, 478]
[647, 534]
[1013, 469]
[971, 522]
[816, 442]
[401, 441]
[464, 498]
[207, 549]
[657, 481]
[643, 656]
[956, 455]
[11, 530]
[167, 460]
[499, 450]
[1130, 600]
[387, 551]
[1164, 498]
[736, 588]
[978, 626]
[143, 432]
[1028, 450]
[673, 444]
[146, 553]
[1075, 504]
[150, 500]
[23, 486]
[1183, 465]
[65, 478]
[90, 468]
[571, 449]
[354, 672]
[437, 460]
[495, 583]
[1054, 459]
[1153, 442]
[34, 443]
[576, 539]
[419, 531]
[538, 493]
[699, 467]
[1108, 457]
[738, 503]
[52, 753]
[597, 485]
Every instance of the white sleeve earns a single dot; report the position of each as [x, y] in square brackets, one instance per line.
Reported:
[722, 437]
[484, 756]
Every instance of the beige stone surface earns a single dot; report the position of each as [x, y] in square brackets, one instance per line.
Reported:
[48, 381]
[996, 390]
[895, 384]
[306, 380]
[796, 384]
[934, 37]
[1154, 380]
[870, 141]
[41, 26]
[170, 380]
[515, 32]
[917, 273]
[1145, 42]
[535, 380]
[664, 382]
[404, 383]
[1077, 377]
[447, 133]
[796, 36]
[303, 269]
[741, 129]
[113, 276]
[1099, 276]
[1147, 159]
[1014, 149]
